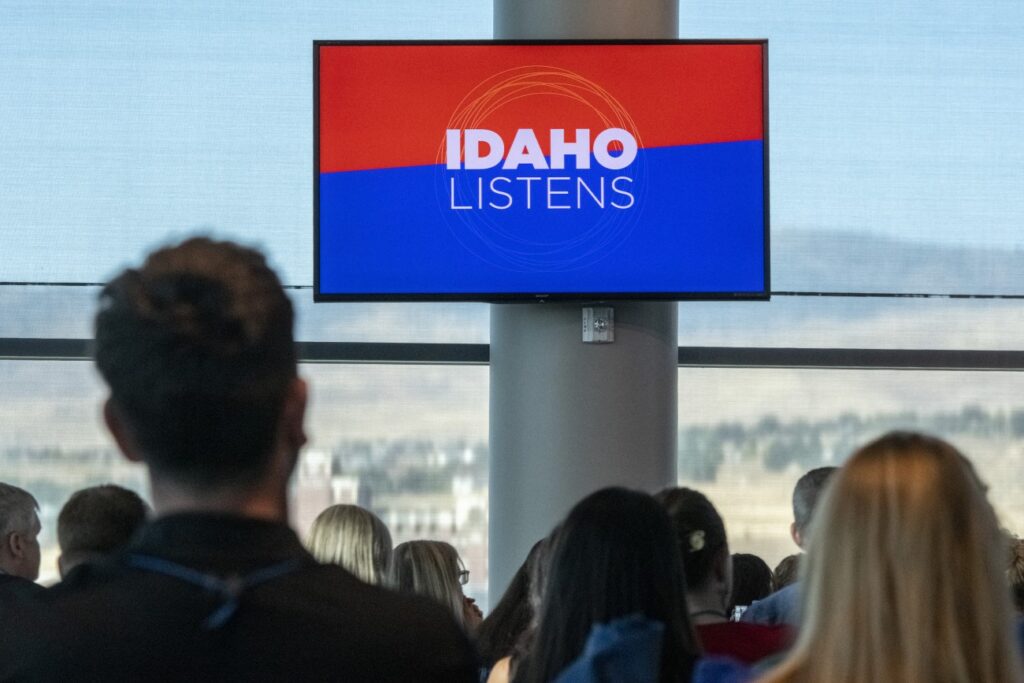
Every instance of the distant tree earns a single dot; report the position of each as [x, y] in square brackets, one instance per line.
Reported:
[850, 421]
[975, 419]
[731, 431]
[778, 455]
[769, 424]
[800, 446]
[1017, 423]
[701, 453]
[808, 450]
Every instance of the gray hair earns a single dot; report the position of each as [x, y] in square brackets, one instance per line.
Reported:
[17, 510]
[430, 568]
[354, 538]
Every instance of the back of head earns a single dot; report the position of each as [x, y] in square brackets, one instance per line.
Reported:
[904, 576]
[503, 628]
[19, 524]
[97, 521]
[751, 580]
[787, 571]
[354, 538]
[429, 568]
[700, 532]
[1015, 573]
[17, 509]
[614, 555]
[196, 347]
[808, 490]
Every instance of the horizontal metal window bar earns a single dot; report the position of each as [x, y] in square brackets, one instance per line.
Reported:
[853, 359]
[689, 356]
[371, 352]
[30, 348]
[1011, 296]
[21, 348]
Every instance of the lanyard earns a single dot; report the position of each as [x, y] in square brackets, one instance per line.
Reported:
[229, 589]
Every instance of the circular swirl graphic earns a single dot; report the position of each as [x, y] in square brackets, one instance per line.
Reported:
[534, 238]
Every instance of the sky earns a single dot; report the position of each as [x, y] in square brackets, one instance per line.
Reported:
[896, 129]
[123, 124]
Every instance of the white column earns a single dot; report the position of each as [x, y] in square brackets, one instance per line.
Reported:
[568, 418]
[565, 19]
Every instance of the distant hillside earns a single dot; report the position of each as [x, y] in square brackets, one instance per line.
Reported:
[808, 260]
[802, 260]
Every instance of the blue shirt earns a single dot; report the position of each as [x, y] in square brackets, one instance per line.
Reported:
[781, 607]
[629, 649]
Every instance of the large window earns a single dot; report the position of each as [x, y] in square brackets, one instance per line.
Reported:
[895, 151]
[126, 123]
[407, 441]
[123, 126]
[746, 448]
[896, 163]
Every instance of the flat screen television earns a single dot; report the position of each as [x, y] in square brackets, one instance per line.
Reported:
[537, 171]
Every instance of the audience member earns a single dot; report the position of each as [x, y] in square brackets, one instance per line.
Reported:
[879, 605]
[614, 597]
[19, 542]
[95, 522]
[708, 568]
[751, 580]
[537, 568]
[787, 571]
[196, 347]
[1015, 573]
[503, 629]
[783, 606]
[1015, 577]
[354, 538]
[434, 569]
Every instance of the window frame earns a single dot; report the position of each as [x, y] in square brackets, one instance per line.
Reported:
[39, 348]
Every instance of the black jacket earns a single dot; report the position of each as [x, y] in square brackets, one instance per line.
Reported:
[16, 596]
[117, 621]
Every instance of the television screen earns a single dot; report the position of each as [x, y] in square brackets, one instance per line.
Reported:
[497, 171]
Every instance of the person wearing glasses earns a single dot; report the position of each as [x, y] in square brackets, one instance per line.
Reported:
[434, 569]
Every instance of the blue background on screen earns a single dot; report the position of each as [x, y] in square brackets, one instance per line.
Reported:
[700, 229]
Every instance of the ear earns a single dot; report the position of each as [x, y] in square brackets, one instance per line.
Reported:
[797, 536]
[16, 544]
[293, 415]
[120, 431]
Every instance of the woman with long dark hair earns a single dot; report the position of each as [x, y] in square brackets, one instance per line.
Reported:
[503, 629]
[613, 558]
[707, 565]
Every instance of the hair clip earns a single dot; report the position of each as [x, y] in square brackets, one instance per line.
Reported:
[696, 541]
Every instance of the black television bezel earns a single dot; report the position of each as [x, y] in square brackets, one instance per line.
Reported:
[524, 297]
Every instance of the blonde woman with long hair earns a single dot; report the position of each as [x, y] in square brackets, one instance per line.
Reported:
[903, 580]
[434, 569]
[354, 538]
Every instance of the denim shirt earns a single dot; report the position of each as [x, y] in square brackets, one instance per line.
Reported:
[629, 650]
[781, 607]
